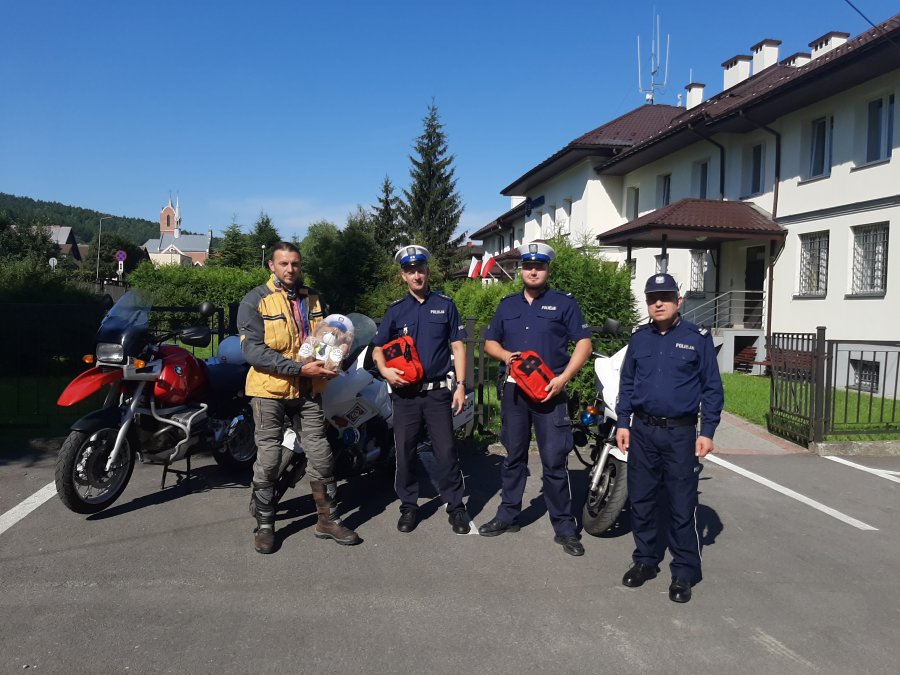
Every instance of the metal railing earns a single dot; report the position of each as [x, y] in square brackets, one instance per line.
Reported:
[732, 309]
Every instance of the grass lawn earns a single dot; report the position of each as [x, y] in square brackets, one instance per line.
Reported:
[747, 396]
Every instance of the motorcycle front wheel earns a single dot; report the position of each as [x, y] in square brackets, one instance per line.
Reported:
[82, 481]
[238, 452]
[604, 504]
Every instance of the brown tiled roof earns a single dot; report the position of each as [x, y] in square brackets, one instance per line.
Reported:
[632, 127]
[773, 82]
[624, 131]
[694, 218]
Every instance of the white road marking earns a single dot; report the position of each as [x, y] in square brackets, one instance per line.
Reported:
[16, 513]
[791, 493]
[883, 473]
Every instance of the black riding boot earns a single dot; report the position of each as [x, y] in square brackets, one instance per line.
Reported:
[262, 507]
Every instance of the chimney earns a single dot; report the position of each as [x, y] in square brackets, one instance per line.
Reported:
[694, 94]
[827, 42]
[765, 54]
[737, 69]
[796, 60]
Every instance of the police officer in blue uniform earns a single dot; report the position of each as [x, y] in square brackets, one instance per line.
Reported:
[433, 322]
[669, 375]
[543, 320]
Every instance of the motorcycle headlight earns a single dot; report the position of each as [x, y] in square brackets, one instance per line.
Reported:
[109, 352]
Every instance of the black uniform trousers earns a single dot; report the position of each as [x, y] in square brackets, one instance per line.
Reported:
[553, 431]
[665, 456]
[431, 408]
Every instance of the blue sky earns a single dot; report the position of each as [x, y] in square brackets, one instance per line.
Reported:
[302, 108]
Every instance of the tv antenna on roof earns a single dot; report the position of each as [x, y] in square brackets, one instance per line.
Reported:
[655, 47]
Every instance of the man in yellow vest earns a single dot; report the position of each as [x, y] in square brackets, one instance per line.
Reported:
[273, 320]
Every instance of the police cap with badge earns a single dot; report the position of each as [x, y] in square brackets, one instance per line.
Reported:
[661, 283]
[412, 255]
[536, 252]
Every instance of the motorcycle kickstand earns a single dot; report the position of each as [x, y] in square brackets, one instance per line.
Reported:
[186, 474]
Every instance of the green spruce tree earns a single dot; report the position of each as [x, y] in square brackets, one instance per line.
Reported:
[387, 226]
[433, 207]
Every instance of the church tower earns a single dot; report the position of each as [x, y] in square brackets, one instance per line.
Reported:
[170, 219]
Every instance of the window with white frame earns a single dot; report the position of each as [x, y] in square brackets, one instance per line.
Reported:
[754, 168]
[813, 264]
[632, 197]
[870, 249]
[821, 131]
[565, 221]
[700, 179]
[662, 264]
[520, 235]
[879, 128]
[663, 190]
[698, 271]
[631, 264]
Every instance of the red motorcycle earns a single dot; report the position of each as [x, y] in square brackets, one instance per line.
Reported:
[162, 404]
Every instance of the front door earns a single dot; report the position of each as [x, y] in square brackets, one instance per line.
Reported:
[754, 280]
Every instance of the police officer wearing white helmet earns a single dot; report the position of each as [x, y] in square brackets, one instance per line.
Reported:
[432, 321]
[544, 320]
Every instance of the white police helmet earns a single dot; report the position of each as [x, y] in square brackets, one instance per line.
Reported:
[412, 255]
[536, 252]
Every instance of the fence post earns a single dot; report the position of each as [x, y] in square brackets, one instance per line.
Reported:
[818, 428]
[232, 317]
[470, 353]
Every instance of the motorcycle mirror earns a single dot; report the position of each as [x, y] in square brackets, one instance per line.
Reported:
[206, 309]
[611, 327]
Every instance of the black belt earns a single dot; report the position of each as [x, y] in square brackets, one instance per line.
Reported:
[653, 421]
[436, 384]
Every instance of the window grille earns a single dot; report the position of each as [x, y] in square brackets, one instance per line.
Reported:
[814, 263]
[870, 248]
[866, 374]
[698, 270]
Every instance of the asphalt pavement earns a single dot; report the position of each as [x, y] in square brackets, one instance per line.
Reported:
[802, 579]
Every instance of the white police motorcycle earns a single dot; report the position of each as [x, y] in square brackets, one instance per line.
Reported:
[595, 428]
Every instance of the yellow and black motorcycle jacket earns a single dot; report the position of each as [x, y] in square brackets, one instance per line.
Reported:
[270, 340]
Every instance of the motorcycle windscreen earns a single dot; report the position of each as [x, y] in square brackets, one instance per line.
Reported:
[87, 383]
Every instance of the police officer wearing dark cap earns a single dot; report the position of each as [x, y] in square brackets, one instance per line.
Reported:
[543, 320]
[433, 322]
[669, 376]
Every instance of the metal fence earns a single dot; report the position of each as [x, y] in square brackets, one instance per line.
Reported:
[832, 387]
[41, 350]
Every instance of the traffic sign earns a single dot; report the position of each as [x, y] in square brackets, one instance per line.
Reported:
[52, 262]
[121, 266]
[121, 255]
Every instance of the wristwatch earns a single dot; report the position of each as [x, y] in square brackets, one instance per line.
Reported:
[461, 383]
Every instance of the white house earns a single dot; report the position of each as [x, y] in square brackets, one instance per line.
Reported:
[772, 202]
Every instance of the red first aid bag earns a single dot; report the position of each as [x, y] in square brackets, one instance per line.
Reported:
[532, 375]
[402, 355]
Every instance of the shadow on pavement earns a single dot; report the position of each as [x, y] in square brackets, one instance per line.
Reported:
[203, 479]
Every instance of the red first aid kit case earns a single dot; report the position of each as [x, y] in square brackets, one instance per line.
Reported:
[402, 355]
[532, 375]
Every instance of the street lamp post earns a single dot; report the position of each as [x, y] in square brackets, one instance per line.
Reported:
[263, 254]
[99, 234]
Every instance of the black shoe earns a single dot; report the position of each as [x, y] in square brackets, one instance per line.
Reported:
[407, 522]
[638, 574]
[460, 521]
[570, 544]
[679, 590]
[496, 526]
